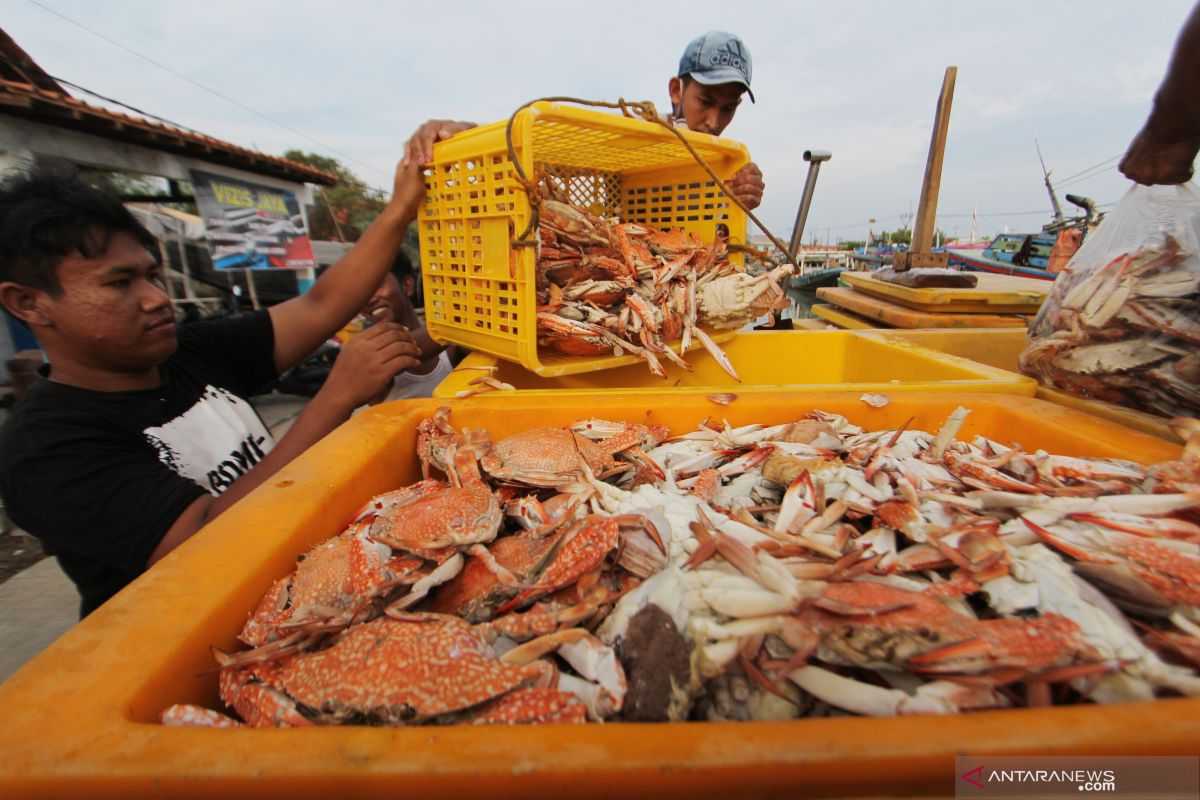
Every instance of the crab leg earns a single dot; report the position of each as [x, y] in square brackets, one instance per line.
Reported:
[714, 350]
[936, 697]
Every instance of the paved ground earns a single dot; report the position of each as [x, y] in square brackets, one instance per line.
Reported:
[40, 603]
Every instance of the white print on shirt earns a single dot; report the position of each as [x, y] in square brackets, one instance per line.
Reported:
[214, 442]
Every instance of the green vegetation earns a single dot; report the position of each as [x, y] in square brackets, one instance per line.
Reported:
[341, 212]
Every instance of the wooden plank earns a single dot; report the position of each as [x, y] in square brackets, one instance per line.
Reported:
[993, 294]
[810, 324]
[903, 261]
[845, 319]
[879, 310]
[927, 210]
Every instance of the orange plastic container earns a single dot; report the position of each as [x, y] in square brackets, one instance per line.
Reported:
[480, 290]
[79, 720]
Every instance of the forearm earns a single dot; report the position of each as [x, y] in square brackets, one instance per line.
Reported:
[303, 322]
[345, 287]
[1176, 112]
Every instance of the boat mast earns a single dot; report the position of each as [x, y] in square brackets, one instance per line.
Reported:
[1058, 213]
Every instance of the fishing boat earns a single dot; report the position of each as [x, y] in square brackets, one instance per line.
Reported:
[1028, 255]
[820, 265]
[1033, 255]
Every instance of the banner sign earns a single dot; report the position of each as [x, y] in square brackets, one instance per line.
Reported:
[250, 226]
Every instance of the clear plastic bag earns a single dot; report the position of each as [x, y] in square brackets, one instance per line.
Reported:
[1122, 323]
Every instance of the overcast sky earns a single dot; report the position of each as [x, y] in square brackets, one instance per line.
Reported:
[857, 78]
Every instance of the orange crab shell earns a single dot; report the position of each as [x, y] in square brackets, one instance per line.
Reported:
[530, 705]
[448, 518]
[401, 671]
[340, 574]
[875, 624]
[669, 243]
[576, 345]
[476, 591]
[546, 457]
[585, 545]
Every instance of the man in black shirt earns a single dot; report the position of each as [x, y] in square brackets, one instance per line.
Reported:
[142, 433]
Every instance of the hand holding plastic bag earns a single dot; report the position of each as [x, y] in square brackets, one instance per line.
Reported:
[1122, 323]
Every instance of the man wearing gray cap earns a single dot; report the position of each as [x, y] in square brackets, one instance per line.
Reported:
[705, 94]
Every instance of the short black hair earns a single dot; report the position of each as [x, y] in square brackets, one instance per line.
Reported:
[45, 217]
[402, 267]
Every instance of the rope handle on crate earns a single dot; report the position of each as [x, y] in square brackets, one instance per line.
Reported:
[630, 108]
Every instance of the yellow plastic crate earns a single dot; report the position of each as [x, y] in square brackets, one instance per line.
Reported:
[770, 361]
[79, 720]
[993, 294]
[480, 291]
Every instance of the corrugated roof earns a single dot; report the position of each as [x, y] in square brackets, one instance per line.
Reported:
[26, 90]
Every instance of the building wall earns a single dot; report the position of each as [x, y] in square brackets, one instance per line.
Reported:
[25, 144]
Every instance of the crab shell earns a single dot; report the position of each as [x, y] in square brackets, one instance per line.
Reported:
[529, 706]
[879, 626]
[476, 592]
[546, 457]
[452, 517]
[731, 301]
[336, 578]
[394, 671]
[1151, 575]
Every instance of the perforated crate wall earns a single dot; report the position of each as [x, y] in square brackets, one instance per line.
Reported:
[479, 291]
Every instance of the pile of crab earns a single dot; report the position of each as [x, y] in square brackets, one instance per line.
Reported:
[611, 571]
[1125, 332]
[607, 288]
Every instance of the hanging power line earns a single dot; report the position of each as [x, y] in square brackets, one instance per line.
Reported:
[207, 89]
[1106, 162]
[1095, 174]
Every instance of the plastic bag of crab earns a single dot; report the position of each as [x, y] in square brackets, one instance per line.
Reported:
[610, 571]
[608, 288]
[1122, 323]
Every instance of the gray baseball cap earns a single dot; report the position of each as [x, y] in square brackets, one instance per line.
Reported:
[717, 57]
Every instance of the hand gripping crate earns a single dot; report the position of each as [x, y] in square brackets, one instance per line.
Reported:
[479, 289]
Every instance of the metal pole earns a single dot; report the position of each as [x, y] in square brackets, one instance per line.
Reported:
[814, 159]
[181, 238]
[249, 273]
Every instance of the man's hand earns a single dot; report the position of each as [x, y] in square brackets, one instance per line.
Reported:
[419, 147]
[747, 185]
[1150, 160]
[368, 362]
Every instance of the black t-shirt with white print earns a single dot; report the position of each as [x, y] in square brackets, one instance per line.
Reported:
[99, 477]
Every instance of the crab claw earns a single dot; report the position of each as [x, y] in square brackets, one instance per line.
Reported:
[602, 687]
[714, 350]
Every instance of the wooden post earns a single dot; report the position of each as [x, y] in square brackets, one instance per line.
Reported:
[922, 239]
